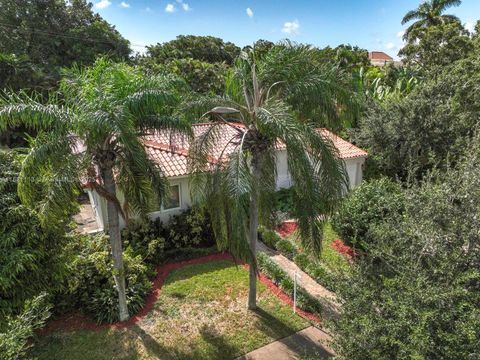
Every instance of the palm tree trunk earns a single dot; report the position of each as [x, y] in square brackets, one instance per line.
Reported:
[252, 294]
[116, 244]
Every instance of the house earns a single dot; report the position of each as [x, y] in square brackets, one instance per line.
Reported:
[170, 151]
[379, 58]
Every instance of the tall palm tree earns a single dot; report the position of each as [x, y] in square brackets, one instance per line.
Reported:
[93, 137]
[429, 13]
[268, 102]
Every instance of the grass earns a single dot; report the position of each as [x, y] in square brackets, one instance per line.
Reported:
[201, 314]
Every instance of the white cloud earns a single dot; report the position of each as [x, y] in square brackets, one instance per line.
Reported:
[401, 33]
[102, 4]
[186, 7]
[124, 5]
[470, 26]
[291, 27]
[147, 9]
[250, 13]
[390, 45]
[170, 8]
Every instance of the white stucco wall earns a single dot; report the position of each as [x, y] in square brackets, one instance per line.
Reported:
[354, 169]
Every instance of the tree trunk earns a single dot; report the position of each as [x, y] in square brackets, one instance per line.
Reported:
[116, 244]
[252, 294]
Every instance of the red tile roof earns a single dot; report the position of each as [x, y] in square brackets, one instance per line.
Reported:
[170, 150]
[379, 55]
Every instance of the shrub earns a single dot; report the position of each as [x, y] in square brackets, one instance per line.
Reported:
[268, 237]
[15, 335]
[150, 238]
[367, 205]
[191, 228]
[286, 248]
[284, 200]
[91, 288]
[188, 253]
[146, 239]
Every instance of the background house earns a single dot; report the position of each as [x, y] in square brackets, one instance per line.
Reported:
[170, 151]
[379, 58]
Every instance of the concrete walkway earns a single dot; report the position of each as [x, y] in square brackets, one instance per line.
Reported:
[309, 342]
[325, 296]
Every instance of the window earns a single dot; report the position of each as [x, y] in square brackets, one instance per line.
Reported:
[172, 201]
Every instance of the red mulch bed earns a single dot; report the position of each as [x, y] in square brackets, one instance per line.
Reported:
[343, 249]
[76, 321]
[286, 228]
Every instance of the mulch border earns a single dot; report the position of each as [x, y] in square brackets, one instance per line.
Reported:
[76, 321]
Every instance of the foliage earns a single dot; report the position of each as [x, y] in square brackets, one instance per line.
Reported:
[150, 238]
[145, 238]
[428, 128]
[366, 206]
[91, 287]
[286, 248]
[439, 46]
[284, 199]
[41, 37]
[31, 257]
[281, 278]
[417, 294]
[15, 336]
[204, 48]
[268, 237]
[429, 13]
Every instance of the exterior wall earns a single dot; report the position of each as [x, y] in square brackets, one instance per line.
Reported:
[354, 169]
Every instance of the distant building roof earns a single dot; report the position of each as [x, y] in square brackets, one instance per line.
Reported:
[379, 55]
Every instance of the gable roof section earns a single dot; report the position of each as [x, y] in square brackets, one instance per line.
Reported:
[379, 55]
[170, 151]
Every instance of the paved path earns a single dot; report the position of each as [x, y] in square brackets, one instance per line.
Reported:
[325, 296]
[311, 342]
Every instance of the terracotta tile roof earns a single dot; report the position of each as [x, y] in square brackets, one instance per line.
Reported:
[170, 150]
[379, 55]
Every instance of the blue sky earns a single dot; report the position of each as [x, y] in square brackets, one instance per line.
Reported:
[371, 24]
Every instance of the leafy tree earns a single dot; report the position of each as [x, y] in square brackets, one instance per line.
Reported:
[31, 260]
[428, 128]
[271, 100]
[96, 134]
[417, 293]
[46, 35]
[439, 46]
[204, 48]
[429, 13]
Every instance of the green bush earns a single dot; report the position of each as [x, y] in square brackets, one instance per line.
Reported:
[91, 287]
[16, 332]
[284, 200]
[268, 237]
[286, 248]
[367, 205]
[145, 239]
[188, 253]
[191, 228]
[150, 238]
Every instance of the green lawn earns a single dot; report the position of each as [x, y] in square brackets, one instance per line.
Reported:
[201, 314]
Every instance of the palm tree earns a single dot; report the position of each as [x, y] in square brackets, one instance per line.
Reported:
[429, 13]
[266, 102]
[94, 137]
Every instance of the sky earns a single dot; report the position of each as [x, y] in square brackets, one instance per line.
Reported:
[370, 24]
